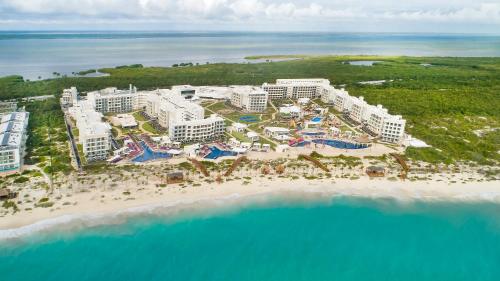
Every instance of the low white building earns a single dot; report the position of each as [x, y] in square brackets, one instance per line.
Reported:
[253, 136]
[238, 127]
[277, 132]
[13, 135]
[125, 121]
[250, 99]
[291, 111]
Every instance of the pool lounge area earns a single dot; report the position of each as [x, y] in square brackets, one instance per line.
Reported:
[340, 144]
[149, 155]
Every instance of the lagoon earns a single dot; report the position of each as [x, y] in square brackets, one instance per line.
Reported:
[39, 54]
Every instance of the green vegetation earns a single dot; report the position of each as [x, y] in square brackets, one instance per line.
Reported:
[149, 128]
[446, 104]
[47, 138]
[85, 72]
[138, 117]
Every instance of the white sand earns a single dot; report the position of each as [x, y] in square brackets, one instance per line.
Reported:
[102, 203]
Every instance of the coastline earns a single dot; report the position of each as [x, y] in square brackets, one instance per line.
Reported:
[95, 208]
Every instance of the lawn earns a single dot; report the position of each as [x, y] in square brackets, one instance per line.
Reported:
[149, 128]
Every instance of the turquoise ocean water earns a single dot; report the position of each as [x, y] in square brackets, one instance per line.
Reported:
[338, 239]
[34, 54]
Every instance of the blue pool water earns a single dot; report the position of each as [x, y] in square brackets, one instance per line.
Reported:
[249, 119]
[341, 144]
[343, 240]
[149, 154]
[316, 119]
[313, 133]
[216, 153]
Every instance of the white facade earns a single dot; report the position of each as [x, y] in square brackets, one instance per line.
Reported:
[196, 130]
[13, 135]
[276, 132]
[389, 128]
[296, 88]
[114, 100]
[359, 109]
[292, 111]
[69, 97]
[94, 134]
[250, 99]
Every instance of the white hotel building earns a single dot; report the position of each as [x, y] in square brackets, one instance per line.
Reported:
[184, 119]
[296, 88]
[93, 134]
[13, 135]
[389, 128]
[248, 98]
[114, 100]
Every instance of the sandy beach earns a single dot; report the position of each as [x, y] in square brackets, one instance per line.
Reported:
[86, 207]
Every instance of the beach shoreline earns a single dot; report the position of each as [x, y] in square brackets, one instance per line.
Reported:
[96, 208]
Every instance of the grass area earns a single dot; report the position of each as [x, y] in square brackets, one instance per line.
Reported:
[218, 106]
[149, 128]
[47, 144]
[443, 104]
[138, 117]
[240, 136]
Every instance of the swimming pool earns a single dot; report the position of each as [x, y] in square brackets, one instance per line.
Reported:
[149, 154]
[313, 133]
[316, 119]
[341, 144]
[249, 118]
[301, 144]
[215, 153]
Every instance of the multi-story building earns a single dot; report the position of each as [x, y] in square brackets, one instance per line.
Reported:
[114, 100]
[389, 128]
[206, 129]
[13, 135]
[359, 110]
[296, 88]
[250, 99]
[93, 134]
[69, 97]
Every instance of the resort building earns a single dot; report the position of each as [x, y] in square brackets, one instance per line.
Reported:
[290, 111]
[277, 133]
[114, 100]
[69, 97]
[206, 129]
[389, 128]
[359, 110]
[250, 99]
[13, 135]
[94, 135]
[296, 88]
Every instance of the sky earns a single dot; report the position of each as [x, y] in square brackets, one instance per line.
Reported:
[439, 16]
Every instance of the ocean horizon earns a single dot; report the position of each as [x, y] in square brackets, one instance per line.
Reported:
[279, 238]
[38, 54]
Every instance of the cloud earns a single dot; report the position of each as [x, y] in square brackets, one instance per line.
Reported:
[251, 13]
